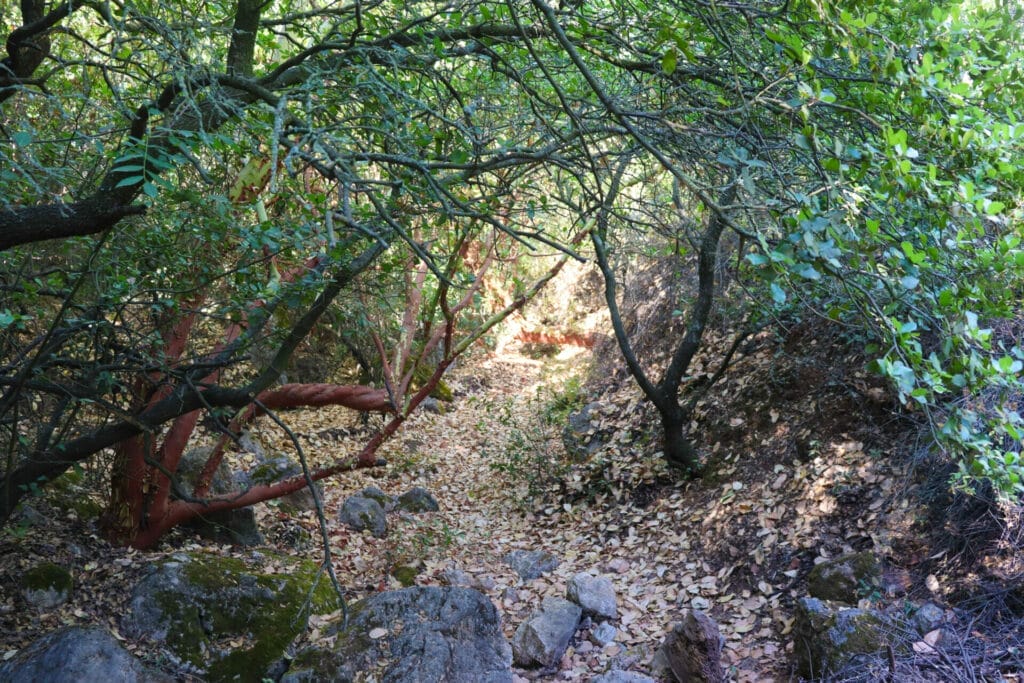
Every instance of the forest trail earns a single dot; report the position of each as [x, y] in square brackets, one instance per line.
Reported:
[734, 547]
[736, 544]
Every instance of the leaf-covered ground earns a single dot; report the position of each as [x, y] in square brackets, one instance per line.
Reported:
[803, 465]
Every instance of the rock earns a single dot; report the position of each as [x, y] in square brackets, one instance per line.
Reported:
[603, 633]
[361, 514]
[928, 617]
[580, 436]
[542, 639]
[426, 634]
[237, 527]
[191, 465]
[595, 594]
[531, 564]
[693, 649]
[385, 500]
[845, 578]
[828, 635]
[617, 565]
[457, 577]
[76, 654]
[46, 586]
[432, 405]
[618, 676]
[416, 499]
[196, 605]
[281, 468]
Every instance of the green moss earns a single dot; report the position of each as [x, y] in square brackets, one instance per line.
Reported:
[48, 576]
[232, 602]
[405, 575]
[68, 492]
[442, 392]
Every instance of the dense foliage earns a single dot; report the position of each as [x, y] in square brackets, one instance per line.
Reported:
[190, 190]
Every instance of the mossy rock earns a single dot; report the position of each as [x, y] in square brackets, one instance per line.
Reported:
[47, 585]
[846, 578]
[829, 635]
[200, 606]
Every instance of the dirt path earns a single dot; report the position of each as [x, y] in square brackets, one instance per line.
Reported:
[733, 545]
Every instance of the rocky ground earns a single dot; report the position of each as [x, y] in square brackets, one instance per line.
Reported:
[808, 460]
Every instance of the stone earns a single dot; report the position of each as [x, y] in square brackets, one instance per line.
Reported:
[603, 633]
[428, 634]
[416, 499]
[928, 617]
[619, 676]
[693, 649]
[617, 565]
[46, 585]
[237, 527]
[828, 635]
[76, 654]
[579, 436]
[385, 500]
[845, 578]
[457, 577]
[531, 564]
[364, 514]
[196, 605]
[432, 405]
[595, 594]
[278, 469]
[542, 639]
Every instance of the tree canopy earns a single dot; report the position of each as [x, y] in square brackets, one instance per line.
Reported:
[191, 189]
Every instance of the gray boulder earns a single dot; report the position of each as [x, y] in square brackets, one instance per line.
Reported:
[829, 635]
[417, 499]
[844, 578]
[542, 639]
[386, 501]
[426, 634]
[595, 594]
[618, 676]
[362, 514]
[195, 606]
[74, 655]
[531, 564]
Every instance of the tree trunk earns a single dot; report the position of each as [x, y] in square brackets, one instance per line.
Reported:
[678, 449]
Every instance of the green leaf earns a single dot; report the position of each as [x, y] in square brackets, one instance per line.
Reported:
[669, 61]
[778, 295]
[22, 138]
[909, 282]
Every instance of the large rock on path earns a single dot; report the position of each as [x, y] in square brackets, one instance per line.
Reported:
[426, 634]
[541, 640]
